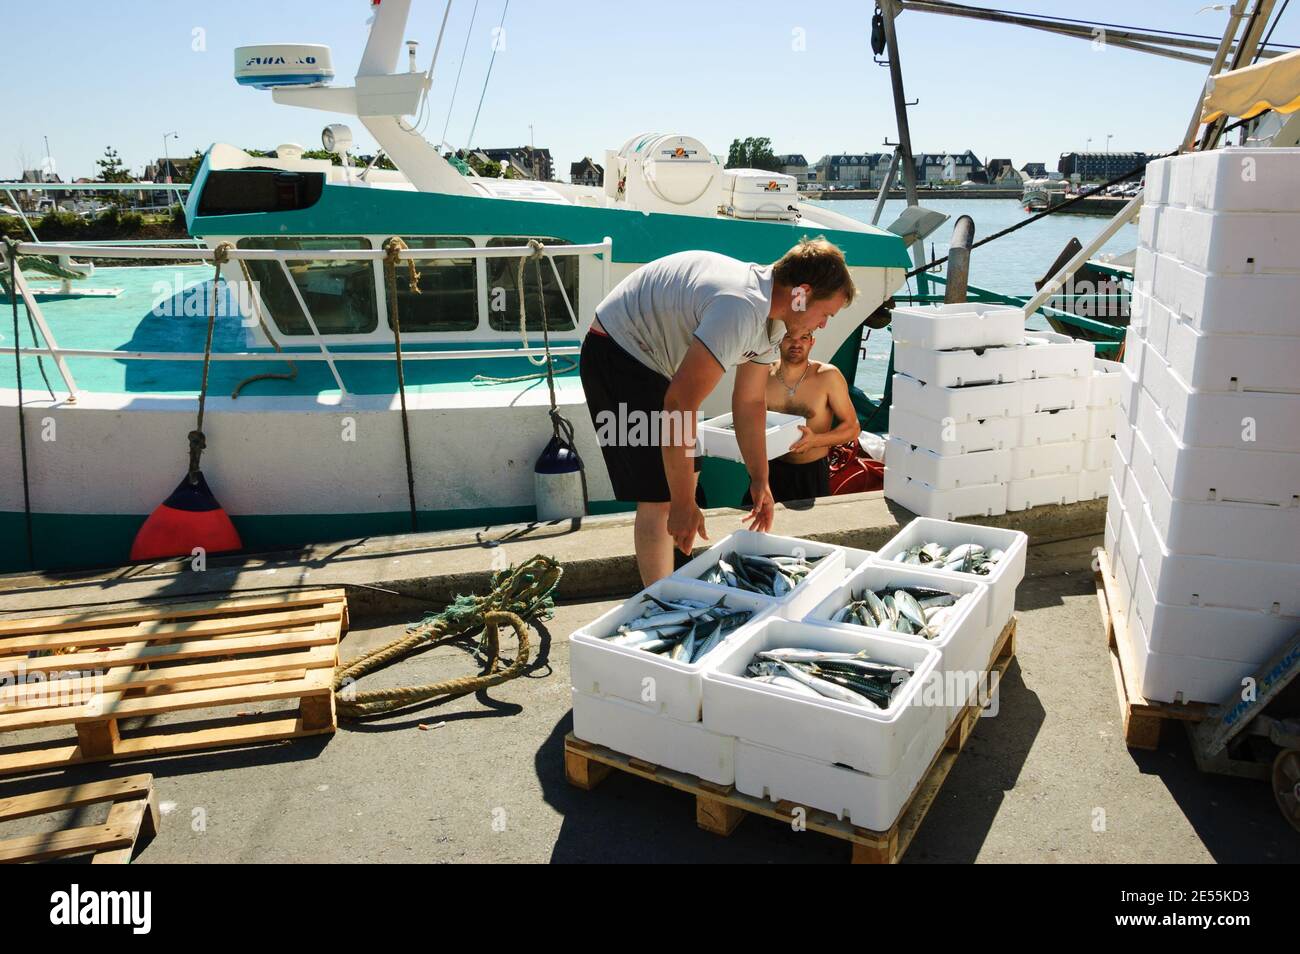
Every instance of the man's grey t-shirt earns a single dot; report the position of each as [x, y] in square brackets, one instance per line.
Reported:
[654, 313]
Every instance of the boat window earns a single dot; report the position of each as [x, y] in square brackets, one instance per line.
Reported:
[239, 191]
[448, 298]
[340, 294]
[503, 292]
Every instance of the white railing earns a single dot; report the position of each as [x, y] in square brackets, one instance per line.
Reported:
[603, 250]
[175, 187]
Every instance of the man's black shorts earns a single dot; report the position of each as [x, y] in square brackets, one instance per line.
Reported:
[611, 377]
[797, 481]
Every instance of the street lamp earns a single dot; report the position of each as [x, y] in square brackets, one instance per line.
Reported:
[1109, 137]
[166, 164]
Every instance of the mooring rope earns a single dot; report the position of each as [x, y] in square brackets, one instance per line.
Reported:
[517, 597]
[198, 442]
[392, 252]
[11, 253]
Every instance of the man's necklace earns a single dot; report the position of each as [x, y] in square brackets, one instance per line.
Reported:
[790, 390]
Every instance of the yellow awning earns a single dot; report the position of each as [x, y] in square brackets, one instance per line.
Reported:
[1271, 84]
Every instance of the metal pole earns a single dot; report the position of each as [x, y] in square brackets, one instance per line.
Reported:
[1225, 44]
[1242, 56]
[883, 194]
[890, 9]
[958, 268]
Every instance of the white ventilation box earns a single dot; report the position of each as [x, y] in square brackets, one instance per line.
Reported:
[947, 472]
[958, 325]
[960, 366]
[642, 733]
[976, 500]
[961, 437]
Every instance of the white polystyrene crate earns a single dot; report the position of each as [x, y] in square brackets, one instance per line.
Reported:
[953, 437]
[1041, 460]
[966, 640]
[867, 801]
[1134, 494]
[1053, 427]
[944, 472]
[1155, 332]
[1115, 501]
[643, 733]
[1180, 180]
[1106, 383]
[1098, 453]
[1214, 362]
[795, 603]
[1246, 420]
[1130, 547]
[1171, 235]
[1246, 179]
[1156, 187]
[974, 403]
[1094, 483]
[1130, 388]
[1101, 422]
[864, 738]
[1244, 531]
[1002, 580]
[1215, 581]
[1166, 677]
[1051, 354]
[1110, 535]
[1216, 473]
[1040, 491]
[598, 668]
[959, 367]
[716, 440]
[958, 325]
[1238, 243]
[975, 500]
[1053, 394]
[1230, 304]
[1124, 431]
[855, 557]
[1149, 226]
[1211, 632]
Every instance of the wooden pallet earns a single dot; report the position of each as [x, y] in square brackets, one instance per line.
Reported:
[720, 808]
[133, 817]
[95, 671]
[1142, 718]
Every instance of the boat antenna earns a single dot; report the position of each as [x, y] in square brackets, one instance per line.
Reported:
[459, 70]
[496, 43]
[423, 118]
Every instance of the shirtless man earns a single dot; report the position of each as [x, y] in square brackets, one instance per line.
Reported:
[818, 392]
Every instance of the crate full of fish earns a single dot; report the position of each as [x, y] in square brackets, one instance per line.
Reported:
[947, 611]
[958, 325]
[991, 555]
[831, 694]
[651, 649]
[639, 731]
[788, 571]
[716, 437]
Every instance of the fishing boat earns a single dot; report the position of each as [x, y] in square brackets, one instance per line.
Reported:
[1040, 194]
[305, 425]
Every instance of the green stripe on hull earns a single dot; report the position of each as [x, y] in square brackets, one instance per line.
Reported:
[81, 541]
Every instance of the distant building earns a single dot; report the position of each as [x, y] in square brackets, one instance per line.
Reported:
[1100, 166]
[586, 173]
[794, 164]
[177, 170]
[1001, 172]
[935, 167]
[1033, 170]
[860, 170]
[528, 162]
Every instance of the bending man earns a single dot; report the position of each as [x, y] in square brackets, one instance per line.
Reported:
[661, 342]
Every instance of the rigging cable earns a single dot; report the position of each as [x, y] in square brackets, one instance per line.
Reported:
[455, 86]
[496, 44]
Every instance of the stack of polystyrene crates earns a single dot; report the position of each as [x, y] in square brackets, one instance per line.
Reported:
[988, 417]
[1203, 526]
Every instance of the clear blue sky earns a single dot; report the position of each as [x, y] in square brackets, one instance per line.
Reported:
[90, 74]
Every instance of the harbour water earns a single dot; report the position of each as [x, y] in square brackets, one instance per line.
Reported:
[1009, 265]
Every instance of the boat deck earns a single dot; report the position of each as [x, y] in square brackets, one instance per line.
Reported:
[130, 322]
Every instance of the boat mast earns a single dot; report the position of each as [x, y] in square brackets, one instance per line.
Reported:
[890, 9]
